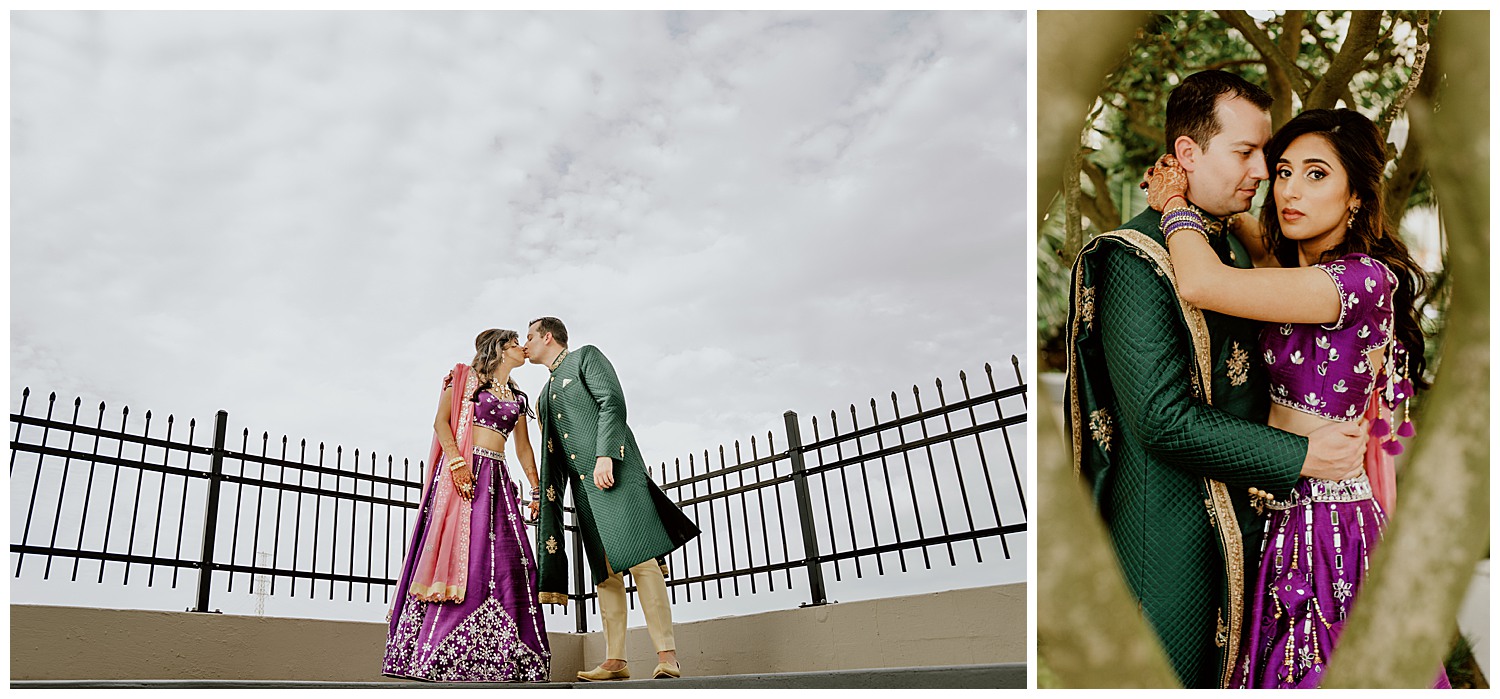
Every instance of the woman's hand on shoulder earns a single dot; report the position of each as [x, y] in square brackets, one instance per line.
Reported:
[1164, 181]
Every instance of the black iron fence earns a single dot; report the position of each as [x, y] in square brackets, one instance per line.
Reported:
[900, 488]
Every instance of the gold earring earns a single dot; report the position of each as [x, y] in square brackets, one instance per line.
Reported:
[1352, 213]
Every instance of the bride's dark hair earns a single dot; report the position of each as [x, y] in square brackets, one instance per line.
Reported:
[1361, 151]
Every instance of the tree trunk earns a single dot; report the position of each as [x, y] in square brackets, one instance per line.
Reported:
[1075, 50]
[1072, 225]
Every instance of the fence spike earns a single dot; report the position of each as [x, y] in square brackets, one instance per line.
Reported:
[77, 402]
[52, 396]
[26, 392]
[962, 376]
[148, 414]
[125, 411]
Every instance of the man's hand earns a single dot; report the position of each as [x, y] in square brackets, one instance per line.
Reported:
[604, 472]
[532, 510]
[1336, 452]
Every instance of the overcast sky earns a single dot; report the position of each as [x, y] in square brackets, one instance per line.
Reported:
[305, 218]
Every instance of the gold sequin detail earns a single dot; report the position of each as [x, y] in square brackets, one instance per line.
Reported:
[1101, 428]
[1086, 307]
[1239, 365]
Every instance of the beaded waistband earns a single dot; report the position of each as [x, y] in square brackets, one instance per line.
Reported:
[1348, 490]
[481, 451]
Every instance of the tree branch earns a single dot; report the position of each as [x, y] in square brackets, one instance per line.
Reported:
[1419, 62]
[1104, 213]
[1398, 189]
[1275, 61]
[1364, 29]
[1072, 226]
[1289, 42]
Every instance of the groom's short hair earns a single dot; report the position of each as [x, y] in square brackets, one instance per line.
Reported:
[1192, 109]
[548, 324]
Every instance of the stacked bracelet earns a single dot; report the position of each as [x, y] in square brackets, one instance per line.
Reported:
[455, 462]
[1181, 218]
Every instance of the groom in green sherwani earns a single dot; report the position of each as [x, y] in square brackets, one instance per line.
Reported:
[1167, 404]
[626, 521]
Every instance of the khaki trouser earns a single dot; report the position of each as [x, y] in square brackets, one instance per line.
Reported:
[651, 590]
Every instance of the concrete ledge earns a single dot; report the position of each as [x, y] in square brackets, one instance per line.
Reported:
[998, 676]
[983, 627]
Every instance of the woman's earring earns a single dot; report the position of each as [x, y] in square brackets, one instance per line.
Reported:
[1353, 211]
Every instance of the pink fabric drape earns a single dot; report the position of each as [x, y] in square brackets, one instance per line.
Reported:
[1380, 467]
[443, 556]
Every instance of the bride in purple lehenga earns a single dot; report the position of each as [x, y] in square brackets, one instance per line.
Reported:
[467, 608]
[1341, 343]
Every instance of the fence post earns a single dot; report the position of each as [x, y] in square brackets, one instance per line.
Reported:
[581, 622]
[805, 513]
[211, 517]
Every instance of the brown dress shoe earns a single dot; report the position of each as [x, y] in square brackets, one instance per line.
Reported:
[664, 670]
[599, 674]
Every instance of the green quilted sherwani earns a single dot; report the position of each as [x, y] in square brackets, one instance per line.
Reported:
[1167, 410]
[581, 411]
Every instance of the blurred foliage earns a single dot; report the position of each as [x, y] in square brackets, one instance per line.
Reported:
[1463, 669]
[1127, 125]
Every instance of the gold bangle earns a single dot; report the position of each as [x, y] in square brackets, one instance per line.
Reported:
[1167, 237]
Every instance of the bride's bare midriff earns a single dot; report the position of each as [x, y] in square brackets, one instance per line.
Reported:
[486, 438]
[1295, 421]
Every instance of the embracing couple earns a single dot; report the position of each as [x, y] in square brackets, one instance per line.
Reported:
[1235, 385]
[471, 589]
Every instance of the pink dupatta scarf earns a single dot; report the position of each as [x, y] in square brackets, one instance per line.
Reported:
[1380, 467]
[443, 556]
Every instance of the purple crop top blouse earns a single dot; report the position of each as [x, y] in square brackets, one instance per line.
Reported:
[496, 414]
[1322, 369]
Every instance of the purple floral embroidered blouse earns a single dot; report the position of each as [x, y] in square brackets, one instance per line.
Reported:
[1322, 369]
[496, 414]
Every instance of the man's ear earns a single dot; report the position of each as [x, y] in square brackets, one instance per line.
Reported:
[1187, 151]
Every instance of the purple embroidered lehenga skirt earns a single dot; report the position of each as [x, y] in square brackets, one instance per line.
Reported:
[497, 633]
[1314, 558]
